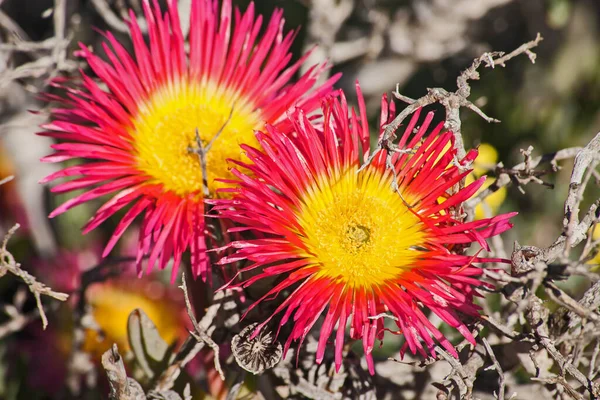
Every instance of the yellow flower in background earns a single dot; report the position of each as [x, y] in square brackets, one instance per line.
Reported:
[487, 159]
[485, 162]
[112, 302]
[12, 208]
[6, 166]
[596, 260]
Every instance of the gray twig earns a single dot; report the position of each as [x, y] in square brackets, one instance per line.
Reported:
[586, 159]
[524, 48]
[190, 348]
[202, 150]
[199, 333]
[38, 289]
[592, 372]
[121, 386]
[17, 322]
[537, 317]
[496, 366]
[111, 19]
[452, 102]
[6, 180]
[59, 53]
[521, 171]
[12, 27]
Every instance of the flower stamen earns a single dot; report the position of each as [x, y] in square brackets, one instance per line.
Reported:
[358, 235]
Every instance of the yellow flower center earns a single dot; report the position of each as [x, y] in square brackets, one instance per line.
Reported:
[358, 230]
[164, 135]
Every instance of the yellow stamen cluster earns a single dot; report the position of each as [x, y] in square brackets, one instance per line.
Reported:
[164, 135]
[358, 230]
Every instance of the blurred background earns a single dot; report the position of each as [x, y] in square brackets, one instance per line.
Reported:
[415, 44]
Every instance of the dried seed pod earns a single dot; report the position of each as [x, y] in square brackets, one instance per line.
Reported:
[257, 354]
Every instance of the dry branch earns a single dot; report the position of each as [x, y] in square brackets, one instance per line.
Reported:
[586, 160]
[121, 386]
[38, 289]
[530, 267]
[497, 367]
[116, 22]
[59, 53]
[521, 173]
[537, 317]
[199, 332]
[191, 347]
[452, 102]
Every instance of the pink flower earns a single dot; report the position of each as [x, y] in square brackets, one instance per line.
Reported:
[349, 247]
[138, 126]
